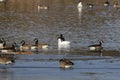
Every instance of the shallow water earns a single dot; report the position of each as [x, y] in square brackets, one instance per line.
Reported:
[20, 21]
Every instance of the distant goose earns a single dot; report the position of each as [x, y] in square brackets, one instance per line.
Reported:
[6, 60]
[106, 4]
[24, 47]
[90, 5]
[65, 63]
[96, 47]
[116, 5]
[42, 7]
[79, 5]
[62, 43]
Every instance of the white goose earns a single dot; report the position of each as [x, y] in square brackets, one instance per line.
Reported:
[62, 43]
[79, 5]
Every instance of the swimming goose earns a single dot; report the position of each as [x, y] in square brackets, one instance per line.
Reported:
[38, 45]
[9, 49]
[24, 47]
[42, 7]
[90, 5]
[2, 42]
[96, 47]
[7, 60]
[116, 5]
[106, 4]
[65, 63]
[79, 5]
[62, 43]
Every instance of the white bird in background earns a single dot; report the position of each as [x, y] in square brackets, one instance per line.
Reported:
[79, 7]
[62, 43]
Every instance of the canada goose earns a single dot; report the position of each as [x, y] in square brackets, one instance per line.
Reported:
[38, 45]
[106, 4]
[7, 59]
[2, 42]
[65, 63]
[62, 43]
[42, 7]
[116, 5]
[24, 47]
[10, 49]
[90, 5]
[96, 47]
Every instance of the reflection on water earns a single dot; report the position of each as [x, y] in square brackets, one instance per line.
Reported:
[80, 6]
[6, 74]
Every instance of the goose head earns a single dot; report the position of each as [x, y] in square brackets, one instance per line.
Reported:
[36, 41]
[22, 42]
[100, 42]
[61, 37]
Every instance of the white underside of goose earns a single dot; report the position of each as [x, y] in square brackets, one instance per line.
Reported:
[92, 48]
[67, 66]
[63, 44]
[1, 45]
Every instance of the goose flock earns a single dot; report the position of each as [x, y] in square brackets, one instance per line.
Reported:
[24, 48]
[106, 4]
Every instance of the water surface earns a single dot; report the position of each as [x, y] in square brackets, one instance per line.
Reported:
[23, 21]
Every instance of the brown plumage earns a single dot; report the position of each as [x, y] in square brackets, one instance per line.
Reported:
[24, 47]
[7, 59]
[9, 49]
[38, 45]
[65, 63]
[96, 47]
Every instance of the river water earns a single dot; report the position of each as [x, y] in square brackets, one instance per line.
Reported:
[22, 20]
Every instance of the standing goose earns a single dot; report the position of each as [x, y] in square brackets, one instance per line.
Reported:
[65, 63]
[96, 47]
[24, 47]
[62, 43]
[38, 45]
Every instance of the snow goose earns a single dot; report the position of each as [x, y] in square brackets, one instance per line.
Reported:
[62, 43]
